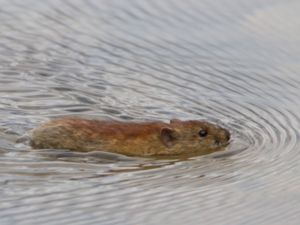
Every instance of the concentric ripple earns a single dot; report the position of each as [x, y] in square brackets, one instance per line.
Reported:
[231, 62]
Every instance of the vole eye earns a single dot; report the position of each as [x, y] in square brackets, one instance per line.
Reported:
[202, 133]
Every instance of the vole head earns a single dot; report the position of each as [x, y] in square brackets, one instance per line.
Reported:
[193, 136]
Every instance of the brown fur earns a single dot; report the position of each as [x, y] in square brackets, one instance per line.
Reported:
[140, 139]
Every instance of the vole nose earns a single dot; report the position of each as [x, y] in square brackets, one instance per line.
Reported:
[227, 135]
[223, 137]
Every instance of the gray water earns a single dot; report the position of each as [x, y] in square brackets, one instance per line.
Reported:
[232, 62]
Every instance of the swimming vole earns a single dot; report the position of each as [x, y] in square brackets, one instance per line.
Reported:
[138, 139]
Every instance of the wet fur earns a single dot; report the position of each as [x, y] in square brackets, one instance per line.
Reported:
[140, 139]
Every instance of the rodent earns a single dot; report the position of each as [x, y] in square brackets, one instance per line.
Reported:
[131, 138]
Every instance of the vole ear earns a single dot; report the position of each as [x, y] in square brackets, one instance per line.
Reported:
[175, 121]
[168, 136]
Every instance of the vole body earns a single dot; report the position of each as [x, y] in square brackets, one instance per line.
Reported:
[138, 139]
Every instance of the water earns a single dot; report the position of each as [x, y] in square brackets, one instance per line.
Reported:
[232, 62]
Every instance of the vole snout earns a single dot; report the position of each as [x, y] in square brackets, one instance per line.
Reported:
[223, 137]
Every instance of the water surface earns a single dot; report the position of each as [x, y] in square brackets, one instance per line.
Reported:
[232, 62]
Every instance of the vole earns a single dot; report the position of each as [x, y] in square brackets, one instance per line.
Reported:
[131, 138]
